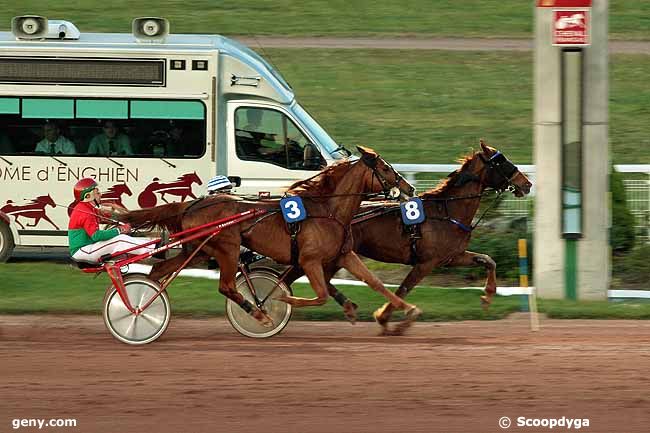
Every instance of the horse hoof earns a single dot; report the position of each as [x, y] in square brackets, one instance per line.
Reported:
[412, 313]
[377, 315]
[350, 311]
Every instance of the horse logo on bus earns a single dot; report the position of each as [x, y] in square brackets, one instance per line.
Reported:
[35, 209]
[182, 188]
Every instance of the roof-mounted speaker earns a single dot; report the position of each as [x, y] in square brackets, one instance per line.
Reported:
[150, 29]
[29, 27]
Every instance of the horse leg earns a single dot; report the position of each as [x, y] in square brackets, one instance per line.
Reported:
[36, 221]
[316, 276]
[165, 267]
[468, 258]
[18, 222]
[228, 265]
[349, 307]
[417, 273]
[353, 263]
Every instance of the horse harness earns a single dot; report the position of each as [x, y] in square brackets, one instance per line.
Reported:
[498, 162]
[293, 228]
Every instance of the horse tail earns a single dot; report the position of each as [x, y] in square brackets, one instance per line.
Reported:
[168, 216]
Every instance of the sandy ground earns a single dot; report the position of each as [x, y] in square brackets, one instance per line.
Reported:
[201, 376]
[422, 43]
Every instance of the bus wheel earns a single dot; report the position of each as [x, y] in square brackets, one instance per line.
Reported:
[6, 242]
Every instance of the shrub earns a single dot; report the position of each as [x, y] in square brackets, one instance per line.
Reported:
[622, 233]
[632, 269]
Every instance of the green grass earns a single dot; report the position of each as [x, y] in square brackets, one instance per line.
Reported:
[432, 106]
[53, 288]
[629, 19]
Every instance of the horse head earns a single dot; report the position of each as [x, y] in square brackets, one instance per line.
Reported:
[122, 188]
[45, 200]
[390, 182]
[192, 178]
[497, 172]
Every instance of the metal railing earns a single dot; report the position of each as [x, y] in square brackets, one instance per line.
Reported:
[637, 189]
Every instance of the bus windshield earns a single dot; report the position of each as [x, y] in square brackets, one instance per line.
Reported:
[323, 138]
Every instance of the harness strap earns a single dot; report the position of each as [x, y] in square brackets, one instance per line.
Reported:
[294, 229]
[415, 234]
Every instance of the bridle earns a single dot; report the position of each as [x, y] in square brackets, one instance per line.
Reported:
[501, 165]
[390, 190]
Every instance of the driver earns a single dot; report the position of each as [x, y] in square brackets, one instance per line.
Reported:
[87, 242]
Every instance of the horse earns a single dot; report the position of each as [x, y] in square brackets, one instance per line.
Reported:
[441, 240]
[331, 199]
[35, 210]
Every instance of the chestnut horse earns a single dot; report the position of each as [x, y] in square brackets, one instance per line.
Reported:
[331, 199]
[442, 239]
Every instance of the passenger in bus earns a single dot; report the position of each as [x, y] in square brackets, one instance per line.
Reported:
[53, 142]
[86, 241]
[110, 142]
[252, 140]
[177, 140]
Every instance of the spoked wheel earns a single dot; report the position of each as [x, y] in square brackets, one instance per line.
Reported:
[144, 327]
[263, 282]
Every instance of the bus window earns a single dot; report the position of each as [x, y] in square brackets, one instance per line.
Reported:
[102, 127]
[269, 136]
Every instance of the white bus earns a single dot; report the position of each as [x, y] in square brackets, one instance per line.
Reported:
[150, 116]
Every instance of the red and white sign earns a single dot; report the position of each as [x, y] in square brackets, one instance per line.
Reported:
[571, 27]
[563, 3]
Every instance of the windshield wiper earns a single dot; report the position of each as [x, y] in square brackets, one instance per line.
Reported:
[5, 160]
[342, 149]
[58, 160]
[114, 162]
[168, 163]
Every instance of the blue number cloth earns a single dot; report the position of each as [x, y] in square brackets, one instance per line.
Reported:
[412, 211]
[293, 210]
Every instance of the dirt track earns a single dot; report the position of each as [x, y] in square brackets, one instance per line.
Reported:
[325, 377]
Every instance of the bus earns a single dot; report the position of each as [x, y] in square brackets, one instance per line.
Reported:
[150, 115]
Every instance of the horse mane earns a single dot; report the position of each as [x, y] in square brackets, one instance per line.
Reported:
[450, 180]
[167, 216]
[323, 183]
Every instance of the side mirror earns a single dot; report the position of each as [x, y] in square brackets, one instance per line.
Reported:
[235, 180]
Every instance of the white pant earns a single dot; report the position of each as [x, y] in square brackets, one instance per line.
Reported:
[93, 252]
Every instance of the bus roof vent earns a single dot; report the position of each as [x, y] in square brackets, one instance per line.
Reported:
[150, 29]
[37, 27]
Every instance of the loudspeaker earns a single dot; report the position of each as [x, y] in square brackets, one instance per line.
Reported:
[29, 27]
[150, 28]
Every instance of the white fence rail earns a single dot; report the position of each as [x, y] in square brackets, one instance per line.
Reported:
[637, 189]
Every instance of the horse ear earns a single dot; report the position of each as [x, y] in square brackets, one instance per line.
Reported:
[486, 149]
[367, 151]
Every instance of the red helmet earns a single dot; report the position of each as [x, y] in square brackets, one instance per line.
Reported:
[83, 187]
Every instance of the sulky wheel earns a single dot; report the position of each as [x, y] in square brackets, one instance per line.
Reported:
[263, 282]
[144, 327]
